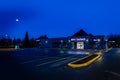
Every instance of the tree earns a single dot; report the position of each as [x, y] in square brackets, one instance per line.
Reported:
[114, 40]
[91, 35]
[17, 42]
[33, 43]
[6, 43]
[26, 42]
[43, 37]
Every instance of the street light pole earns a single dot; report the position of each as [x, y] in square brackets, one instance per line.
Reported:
[106, 44]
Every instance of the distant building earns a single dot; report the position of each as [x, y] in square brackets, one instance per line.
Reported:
[75, 42]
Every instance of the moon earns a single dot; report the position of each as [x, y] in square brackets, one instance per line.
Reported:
[17, 20]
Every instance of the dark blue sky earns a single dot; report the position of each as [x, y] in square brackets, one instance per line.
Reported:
[59, 18]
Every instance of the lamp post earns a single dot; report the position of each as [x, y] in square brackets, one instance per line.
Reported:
[106, 45]
[69, 44]
[61, 43]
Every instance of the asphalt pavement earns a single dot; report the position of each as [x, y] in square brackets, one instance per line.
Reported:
[48, 64]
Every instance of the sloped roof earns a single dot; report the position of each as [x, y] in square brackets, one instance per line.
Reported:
[81, 32]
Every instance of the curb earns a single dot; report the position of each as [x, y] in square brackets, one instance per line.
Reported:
[75, 64]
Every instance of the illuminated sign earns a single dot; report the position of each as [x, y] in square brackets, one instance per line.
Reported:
[78, 39]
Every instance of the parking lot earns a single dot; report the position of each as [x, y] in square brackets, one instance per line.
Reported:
[51, 64]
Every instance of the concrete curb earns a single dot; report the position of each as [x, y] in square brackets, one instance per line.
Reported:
[73, 65]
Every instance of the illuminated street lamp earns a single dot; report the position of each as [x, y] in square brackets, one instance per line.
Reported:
[106, 43]
[6, 36]
[61, 43]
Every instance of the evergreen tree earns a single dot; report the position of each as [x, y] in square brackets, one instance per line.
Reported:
[26, 42]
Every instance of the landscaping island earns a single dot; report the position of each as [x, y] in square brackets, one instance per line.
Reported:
[85, 61]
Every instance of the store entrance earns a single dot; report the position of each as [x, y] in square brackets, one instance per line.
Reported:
[80, 45]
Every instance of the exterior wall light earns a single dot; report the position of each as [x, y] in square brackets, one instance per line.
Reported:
[87, 40]
[46, 42]
[98, 40]
[61, 41]
[69, 41]
[37, 40]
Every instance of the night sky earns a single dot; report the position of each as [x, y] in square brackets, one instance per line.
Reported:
[58, 18]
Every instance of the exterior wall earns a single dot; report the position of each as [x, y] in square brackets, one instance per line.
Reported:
[96, 42]
[54, 43]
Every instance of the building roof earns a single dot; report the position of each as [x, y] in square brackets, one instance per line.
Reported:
[81, 32]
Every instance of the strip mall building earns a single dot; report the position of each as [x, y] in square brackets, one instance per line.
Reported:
[75, 42]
